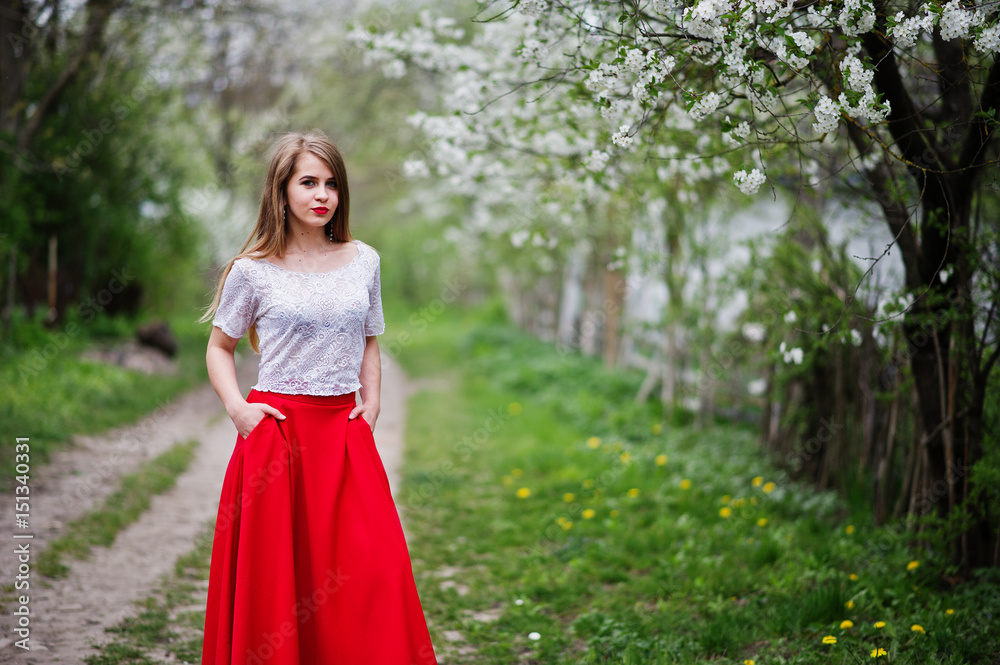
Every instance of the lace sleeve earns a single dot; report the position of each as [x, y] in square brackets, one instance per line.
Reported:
[375, 323]
[237, 305]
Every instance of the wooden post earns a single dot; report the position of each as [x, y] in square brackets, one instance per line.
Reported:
[8, 311]
[53, 270]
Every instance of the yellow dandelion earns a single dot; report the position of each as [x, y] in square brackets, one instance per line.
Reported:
[762, 521]
[769, 487]
[846, 623]
[739, 503]
[878, 653]
[853, 577]
[748, 661]
[508, 480]
[661, 460]
[829, 639]
[594, 442]
[725, 512]
[849, 604]
[625, 457]
[588, 483]
[753, 501]
[849, 529]
[613, 513]
[514, 408]
[568, 497]
[589, 513]
[561, 520]
[913, 565]
[567, 525]
[517, 473]
[949, 611]
[725, 498]
[757, 482]
[880, 624]
[634, 492]
[685, 484]
[523, 493]
[917, 628]
[657, 428]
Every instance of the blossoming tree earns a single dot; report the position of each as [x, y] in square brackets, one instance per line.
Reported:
[905, 94]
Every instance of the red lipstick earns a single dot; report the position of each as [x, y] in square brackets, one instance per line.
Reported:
[321, 211]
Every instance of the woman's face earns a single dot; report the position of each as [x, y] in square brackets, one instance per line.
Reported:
[311, 192]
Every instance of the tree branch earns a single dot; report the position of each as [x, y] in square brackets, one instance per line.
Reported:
[98, 14]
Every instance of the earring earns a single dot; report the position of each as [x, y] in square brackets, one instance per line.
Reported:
[329, 226]
[284, 212]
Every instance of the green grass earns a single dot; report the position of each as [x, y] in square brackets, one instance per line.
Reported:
[165, 624]
[120, 509]
[537, 476]
[49, 393]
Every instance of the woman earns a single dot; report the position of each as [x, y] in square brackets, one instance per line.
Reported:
[309, 563]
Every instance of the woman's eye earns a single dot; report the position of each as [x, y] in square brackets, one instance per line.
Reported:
[332, 184]
[308, 182]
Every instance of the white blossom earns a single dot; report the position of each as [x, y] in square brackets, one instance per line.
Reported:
[857, 17]
[749, 183]
[596, 160]
[827, 114]
[531, 7]
[621, 138]
[791, 317]
[704, 106]
[415, 168]
[806, 43]
[753, 331]
[795, 355]
[957, 22]
[635, 61]
[988, 40]
[519, 237]
[394, 69]
[906, 30]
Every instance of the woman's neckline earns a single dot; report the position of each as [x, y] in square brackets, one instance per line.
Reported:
[357, 243]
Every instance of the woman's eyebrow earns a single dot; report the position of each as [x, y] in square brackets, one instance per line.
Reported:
[314, 177]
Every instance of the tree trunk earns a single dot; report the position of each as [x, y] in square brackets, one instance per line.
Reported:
[946, 370]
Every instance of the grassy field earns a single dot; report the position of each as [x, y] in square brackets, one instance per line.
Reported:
[554, 520]
[50, 392]
[124, 506]
[551, 519]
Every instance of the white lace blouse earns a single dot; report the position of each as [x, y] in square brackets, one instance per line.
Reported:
[311, 326]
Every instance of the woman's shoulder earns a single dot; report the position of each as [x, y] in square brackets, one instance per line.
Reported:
[366, 249]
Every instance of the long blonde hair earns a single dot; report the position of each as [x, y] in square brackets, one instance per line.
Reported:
[269, 234]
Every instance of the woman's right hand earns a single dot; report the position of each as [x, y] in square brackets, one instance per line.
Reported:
[248, 415]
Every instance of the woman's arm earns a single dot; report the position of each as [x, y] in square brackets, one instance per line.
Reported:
[222, 373]
[371, 383]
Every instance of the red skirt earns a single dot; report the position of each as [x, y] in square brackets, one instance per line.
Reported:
[309, 562]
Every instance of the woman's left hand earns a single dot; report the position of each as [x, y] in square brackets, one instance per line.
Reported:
[367, 411]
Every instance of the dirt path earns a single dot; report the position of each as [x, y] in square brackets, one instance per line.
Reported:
[69, 615]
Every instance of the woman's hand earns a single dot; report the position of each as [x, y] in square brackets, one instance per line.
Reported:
[367, 411]
[247, 416]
